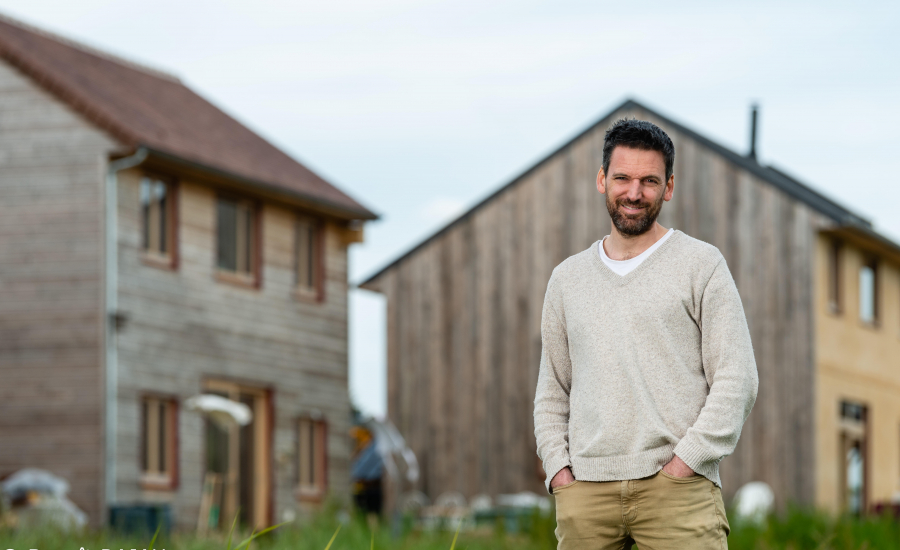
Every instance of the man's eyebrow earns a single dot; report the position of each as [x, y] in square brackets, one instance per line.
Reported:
[647, 177]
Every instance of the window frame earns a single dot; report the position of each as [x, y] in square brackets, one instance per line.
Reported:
[167, 479]
[835, 276]
[316, 291]
[316, 491]
[854, 427]
[871, 262]
[170, 259]
[253, 277]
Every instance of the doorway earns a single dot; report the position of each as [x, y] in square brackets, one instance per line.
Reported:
[238, 459]
[853, 457]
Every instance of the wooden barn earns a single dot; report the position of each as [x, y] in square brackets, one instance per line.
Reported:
[153, 249]
[820, 288]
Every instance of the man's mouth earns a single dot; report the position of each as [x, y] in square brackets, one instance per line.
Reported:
[632, 209]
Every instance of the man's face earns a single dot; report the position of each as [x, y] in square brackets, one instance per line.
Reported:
[635, 188]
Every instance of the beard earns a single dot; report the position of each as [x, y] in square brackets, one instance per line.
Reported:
[633, 225]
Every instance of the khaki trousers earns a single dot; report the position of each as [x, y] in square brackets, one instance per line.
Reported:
[659, 512]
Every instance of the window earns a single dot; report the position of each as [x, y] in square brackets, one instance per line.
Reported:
[159, 443]
[311, 454]
[852, 411]
[237, 232]
[308, 257]
[868, 291]
[834, 276]
[158, 219]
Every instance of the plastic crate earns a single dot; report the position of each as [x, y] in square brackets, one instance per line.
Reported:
[141, 519]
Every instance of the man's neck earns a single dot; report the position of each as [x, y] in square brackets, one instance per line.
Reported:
[624, 247]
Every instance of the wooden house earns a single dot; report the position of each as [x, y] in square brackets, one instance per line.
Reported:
[152, 248]
[821, 291]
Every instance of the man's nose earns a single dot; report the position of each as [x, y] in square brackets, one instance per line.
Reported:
[634, 191]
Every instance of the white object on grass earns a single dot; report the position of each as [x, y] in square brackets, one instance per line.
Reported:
[524, 499]
[481, 502]
[753, 502]
[35, 480]
[49, 506]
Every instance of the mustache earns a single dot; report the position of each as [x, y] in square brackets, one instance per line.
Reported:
[633, 204]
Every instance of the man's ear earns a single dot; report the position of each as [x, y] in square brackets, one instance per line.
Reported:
[670, 188]
[601, 181]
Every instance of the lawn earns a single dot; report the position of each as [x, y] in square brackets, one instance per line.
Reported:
[797, 529]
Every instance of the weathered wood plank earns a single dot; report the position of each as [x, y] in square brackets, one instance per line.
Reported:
[51, 271]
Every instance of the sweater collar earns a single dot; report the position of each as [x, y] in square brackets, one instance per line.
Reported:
[614, 277]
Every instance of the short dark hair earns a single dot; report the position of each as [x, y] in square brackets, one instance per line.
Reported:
[638, 134]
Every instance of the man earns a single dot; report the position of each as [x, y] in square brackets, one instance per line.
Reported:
[647, 371]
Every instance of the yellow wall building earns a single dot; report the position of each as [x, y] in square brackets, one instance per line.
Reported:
[857, 370]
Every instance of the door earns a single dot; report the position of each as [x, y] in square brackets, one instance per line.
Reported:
[240, 456]
[853, 457]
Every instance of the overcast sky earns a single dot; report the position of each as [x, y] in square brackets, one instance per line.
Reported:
[419, 109]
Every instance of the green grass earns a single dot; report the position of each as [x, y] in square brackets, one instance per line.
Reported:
[802, 529]
[797, 529]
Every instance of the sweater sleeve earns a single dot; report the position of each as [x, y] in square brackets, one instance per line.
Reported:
[551, 401]
[730, 370]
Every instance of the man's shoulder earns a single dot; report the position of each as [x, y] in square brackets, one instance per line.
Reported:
[575, 265]
[700, 253]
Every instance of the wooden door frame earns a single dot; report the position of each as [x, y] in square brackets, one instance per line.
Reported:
[263, 412]
[850, 430]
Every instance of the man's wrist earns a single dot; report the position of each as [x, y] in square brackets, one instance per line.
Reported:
[562, 477]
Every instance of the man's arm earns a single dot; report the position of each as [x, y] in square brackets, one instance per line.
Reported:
[730, 370]
[551, 401]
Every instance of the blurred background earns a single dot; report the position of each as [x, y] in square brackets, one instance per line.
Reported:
[420, 110]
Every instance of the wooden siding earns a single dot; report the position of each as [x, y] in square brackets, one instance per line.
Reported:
[52, 169]
[464, 317]
[184, 327]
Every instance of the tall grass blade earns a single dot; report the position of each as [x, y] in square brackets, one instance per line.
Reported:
[334, 536]
[254, 535]
[372, 544]
[156, 534]
[233, 523]
[453, 545]
[247, 540]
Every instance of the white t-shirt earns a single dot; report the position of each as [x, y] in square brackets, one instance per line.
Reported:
[624, 267]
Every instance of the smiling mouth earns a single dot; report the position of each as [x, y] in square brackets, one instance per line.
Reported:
[632, 209]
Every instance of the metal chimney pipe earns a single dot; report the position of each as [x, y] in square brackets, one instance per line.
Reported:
[754, 108]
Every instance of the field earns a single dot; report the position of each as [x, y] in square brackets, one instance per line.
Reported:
[796, 530]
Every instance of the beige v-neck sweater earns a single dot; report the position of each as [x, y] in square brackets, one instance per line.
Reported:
[638, 368]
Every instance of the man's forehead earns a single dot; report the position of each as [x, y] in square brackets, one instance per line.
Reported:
[629, 159]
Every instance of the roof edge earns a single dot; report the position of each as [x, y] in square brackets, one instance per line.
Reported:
[43, 79]
[22, 60]
[91, 50]
[774, 176]
[780, 179]
[867, 234]
[332, 208]
[546, 158]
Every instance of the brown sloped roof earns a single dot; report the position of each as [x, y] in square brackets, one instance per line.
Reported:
[146, 108]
